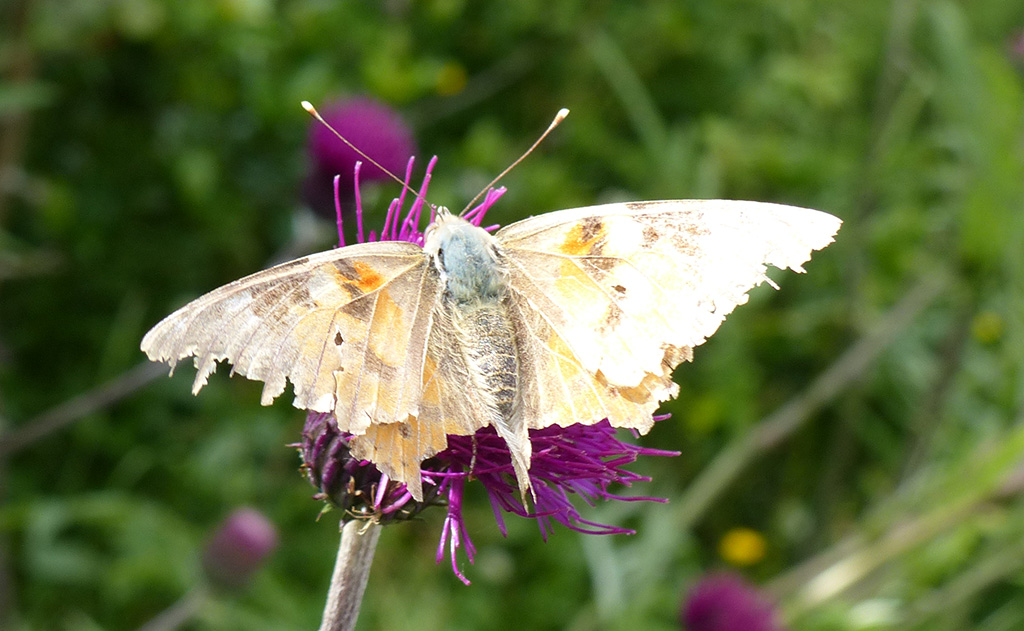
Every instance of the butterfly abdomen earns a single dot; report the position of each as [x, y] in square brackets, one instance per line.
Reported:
[490, 345]
[491, 349]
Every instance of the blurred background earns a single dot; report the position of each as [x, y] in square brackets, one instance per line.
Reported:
[852, 445]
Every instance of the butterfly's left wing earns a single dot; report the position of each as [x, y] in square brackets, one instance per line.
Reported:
[608, 299]
[347, 327]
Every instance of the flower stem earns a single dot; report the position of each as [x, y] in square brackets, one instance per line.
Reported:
[179, 613]
[351, 571]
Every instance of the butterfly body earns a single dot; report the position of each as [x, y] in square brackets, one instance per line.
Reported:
[569, 317]
[475, 303]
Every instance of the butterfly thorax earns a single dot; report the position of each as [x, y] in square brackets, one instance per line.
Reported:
[468, 260]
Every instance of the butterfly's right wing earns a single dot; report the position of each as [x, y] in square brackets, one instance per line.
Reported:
[607, 300]
[347, 327]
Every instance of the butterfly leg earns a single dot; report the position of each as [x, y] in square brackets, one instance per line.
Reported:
[472, 459]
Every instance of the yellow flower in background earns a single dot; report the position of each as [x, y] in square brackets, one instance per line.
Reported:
[987, 327]
[451, 79]
[742, 546]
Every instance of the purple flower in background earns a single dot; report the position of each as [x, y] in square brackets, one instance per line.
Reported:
[373, 127]
[726, 602]
[1016, 47]
[581, 461]
[238, 548]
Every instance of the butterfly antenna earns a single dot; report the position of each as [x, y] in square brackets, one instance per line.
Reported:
[559, 117]
[306, 105]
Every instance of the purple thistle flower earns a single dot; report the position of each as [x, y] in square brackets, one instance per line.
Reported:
[579, 460]
[1016, 47]
[726, 602]
[369, 125]
[238, 548]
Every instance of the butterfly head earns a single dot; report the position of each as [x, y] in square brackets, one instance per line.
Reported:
[466, 256]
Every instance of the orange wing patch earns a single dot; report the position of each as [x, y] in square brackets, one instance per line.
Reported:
[356, 278]
[368, 278]
[585, 238]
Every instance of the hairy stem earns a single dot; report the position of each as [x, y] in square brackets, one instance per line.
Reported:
[351, 571]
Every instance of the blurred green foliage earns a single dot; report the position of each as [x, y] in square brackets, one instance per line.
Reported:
[151, 151]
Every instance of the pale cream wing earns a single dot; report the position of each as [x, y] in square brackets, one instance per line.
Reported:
[347, 327]
[451, 404]
[622, 292]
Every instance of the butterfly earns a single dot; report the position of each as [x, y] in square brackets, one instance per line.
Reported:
[568, 317]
